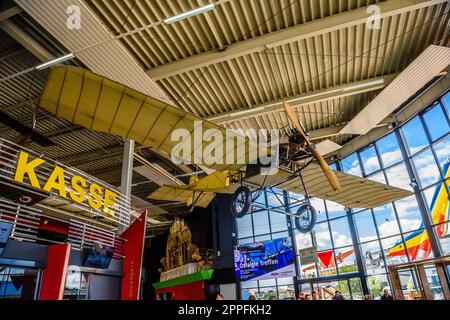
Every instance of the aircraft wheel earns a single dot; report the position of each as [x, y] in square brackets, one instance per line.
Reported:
[241, 202]
[306, 218]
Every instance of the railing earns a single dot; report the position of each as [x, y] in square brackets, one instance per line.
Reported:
[26, 221]
[82, 235]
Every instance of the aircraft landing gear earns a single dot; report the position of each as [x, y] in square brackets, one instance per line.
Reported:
[305, 219]
[241, 202]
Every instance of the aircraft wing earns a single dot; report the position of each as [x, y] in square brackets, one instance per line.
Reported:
[356, 192]
[99, 104]
[175, 193]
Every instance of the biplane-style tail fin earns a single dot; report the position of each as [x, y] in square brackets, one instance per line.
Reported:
[178, 193]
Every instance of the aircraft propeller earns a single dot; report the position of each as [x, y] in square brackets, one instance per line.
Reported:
[334, 182]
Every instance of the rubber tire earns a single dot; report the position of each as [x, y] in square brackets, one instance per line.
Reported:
[313, 214]
[247, 206]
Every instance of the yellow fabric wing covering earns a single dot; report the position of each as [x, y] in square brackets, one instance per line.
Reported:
[174, 193]
[356, 192]
[217, 182]
[99, 104]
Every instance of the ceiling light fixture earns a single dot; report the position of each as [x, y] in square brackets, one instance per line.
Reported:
[191, 13]
[305, 97]
[39, 67]
[50, 63]
[246, 111]
[117, 37]
[363, 85]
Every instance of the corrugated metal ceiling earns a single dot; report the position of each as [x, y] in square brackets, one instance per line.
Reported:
[343, 56]
[340, 57]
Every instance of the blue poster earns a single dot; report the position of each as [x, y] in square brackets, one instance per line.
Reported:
[265, 260]
[5, 232]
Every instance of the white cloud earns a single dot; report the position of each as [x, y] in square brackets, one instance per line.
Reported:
[398, 177]
[410, 224]
[426, 167]
[406, 207]
[442, 149]
[323, 239]
[335, 207]
[372, 246]
[368, 238]
[341, 240]
[303, 240]
[391, 157]
[388, 228]
[379, 177]
[371, 164]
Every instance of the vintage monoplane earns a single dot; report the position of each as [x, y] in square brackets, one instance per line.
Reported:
[99, 104]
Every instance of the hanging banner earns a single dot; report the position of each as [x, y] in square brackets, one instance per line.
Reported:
[133, 249]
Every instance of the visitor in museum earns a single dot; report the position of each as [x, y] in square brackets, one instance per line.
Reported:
[338, 296]
[315, 296]
[386, 295]
[301, 296]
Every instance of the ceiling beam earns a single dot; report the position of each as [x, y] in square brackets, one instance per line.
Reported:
[332, 93]
[110, 59]
[9, 9]
[275, 39]
[18, 34]
[326, 132]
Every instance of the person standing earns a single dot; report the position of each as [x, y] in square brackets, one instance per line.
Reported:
[386, 295]
[301, 296]
[314, 295]
[219, 297]
[338, 296]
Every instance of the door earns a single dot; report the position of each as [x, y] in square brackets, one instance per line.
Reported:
[434, 283]
[410, 284]
[103, 287]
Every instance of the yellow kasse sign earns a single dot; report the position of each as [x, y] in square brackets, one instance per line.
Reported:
[78, 190]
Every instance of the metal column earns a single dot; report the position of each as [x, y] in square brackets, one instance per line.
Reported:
[358, 254]
[127, 173]
[294, 243]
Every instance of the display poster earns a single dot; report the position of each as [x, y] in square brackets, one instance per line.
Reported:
[5, 232]
[308, 256]
[265, 260]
